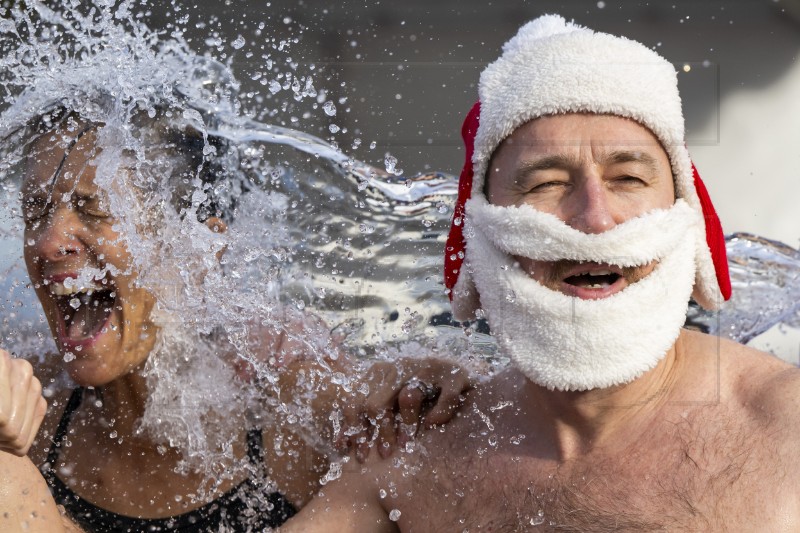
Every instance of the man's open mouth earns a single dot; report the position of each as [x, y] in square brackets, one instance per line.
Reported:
[84, 311]
[592, 280]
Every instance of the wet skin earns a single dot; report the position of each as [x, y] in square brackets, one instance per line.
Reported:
[68, 229]
[567, 166]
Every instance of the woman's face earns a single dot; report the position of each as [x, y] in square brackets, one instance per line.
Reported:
[102, 326]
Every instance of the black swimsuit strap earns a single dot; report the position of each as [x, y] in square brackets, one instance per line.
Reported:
[61, 430]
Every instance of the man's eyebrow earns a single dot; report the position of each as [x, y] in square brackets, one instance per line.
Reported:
[548, 162]
[632, 156]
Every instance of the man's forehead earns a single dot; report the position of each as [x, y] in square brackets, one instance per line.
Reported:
[578, 129]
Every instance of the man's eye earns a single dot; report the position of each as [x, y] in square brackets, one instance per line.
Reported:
[547, 185]
[630, 179]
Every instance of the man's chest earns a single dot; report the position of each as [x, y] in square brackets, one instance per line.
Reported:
[698, 484]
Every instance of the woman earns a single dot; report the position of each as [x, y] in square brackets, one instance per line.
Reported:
[102, 463]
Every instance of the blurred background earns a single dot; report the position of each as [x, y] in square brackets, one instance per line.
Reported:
[396, 78]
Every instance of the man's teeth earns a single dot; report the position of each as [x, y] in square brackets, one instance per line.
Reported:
[599, 273]
[60, 289]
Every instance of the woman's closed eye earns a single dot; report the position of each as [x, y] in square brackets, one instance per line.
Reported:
[93, 206]
[34, 208]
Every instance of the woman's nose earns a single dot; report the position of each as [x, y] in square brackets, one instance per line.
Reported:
[58, 238]
[591, 210]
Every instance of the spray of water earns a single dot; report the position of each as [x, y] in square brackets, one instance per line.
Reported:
[309, 229]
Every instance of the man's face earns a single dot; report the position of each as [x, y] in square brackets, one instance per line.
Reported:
[591, 171]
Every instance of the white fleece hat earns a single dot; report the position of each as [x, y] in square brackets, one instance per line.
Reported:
[555, 67]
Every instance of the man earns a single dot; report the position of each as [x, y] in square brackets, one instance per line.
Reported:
[583, 230]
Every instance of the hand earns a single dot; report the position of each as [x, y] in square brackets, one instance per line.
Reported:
[22, 406]
[394, 399]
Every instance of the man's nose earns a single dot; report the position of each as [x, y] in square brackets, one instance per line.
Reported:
[591, 210]
[59, 239]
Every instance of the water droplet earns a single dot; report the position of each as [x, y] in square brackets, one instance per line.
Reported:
[69, 356]
[394, 515]
[238, 43]
[511, 297]
[538, 519]
[330, 108]
[372, 145]
[390, 162]
[601, 4]
[333, 128]
[75, 303]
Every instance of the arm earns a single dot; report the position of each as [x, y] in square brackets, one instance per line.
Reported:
[310, 378]
[399, 399]
[25, 501]
[346, 505]
[383, 401]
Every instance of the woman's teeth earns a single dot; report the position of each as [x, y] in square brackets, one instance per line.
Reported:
[68, 289]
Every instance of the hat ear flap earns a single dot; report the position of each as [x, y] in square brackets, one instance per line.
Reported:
[455, 247]
[715, 238]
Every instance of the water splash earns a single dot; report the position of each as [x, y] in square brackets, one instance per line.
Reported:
[765, 277]
[294, 205]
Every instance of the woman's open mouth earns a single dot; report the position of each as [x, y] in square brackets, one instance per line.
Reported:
[84, 312]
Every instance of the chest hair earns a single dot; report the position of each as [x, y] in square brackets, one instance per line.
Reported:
[682, 477]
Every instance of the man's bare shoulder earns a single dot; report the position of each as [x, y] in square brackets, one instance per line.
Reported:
[742, 367]
[764, 387]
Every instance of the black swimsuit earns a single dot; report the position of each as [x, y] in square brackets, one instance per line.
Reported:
[244, 508]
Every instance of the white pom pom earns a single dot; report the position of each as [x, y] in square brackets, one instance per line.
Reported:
[544, 26]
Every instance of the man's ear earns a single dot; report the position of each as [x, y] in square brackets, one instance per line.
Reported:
[216, 225]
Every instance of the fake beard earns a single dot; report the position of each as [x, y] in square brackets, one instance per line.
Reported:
[567, 343]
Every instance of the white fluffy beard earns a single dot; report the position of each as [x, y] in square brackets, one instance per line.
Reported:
[567, 343]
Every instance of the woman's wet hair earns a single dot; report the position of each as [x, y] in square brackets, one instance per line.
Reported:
[196, 162]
